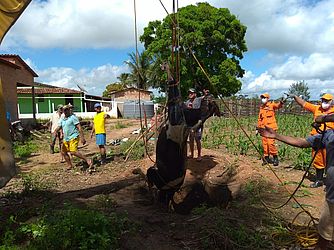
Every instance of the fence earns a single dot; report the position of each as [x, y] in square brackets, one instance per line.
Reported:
[250, 107]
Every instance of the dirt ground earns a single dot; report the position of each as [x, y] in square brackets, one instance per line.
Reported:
[160, 229]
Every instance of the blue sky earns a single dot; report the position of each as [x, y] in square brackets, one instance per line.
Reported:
[69, 42]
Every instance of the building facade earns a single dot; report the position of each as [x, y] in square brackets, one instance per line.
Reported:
[14, 72]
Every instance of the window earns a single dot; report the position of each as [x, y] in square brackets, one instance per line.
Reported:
[40, 98]
[69, 99]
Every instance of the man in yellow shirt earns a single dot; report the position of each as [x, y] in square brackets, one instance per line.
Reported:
[100, 131]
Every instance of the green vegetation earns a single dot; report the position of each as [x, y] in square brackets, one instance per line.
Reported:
[300, 89]
[69, 228]
[214, 35]
[24, 150]
[137, 151]
[226, 132]
[120, 125]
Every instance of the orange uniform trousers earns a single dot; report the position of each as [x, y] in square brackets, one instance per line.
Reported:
[269, 146]
[320, 159]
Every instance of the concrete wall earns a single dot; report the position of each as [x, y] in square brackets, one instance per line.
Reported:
[9, 78]
[131, 94]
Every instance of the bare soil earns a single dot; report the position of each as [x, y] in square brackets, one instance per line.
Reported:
[159, 228]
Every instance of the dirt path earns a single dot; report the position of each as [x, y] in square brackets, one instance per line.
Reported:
[119, 182]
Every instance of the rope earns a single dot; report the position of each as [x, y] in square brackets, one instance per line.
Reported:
[138, 75]
[252, 142]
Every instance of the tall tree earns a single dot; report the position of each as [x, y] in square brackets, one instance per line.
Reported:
[139, 69]
[116, 86]
[213, 35]
[300, 89]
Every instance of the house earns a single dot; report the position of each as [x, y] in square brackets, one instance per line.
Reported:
[14, 72]
[130, 94]
[126, 103]
[47, 97]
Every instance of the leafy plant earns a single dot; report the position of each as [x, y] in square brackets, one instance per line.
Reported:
[70, 228]
[24, 150]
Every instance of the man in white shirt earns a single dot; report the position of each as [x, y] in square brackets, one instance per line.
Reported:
[53, 126]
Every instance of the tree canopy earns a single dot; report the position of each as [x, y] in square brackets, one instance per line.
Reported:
[213, 35]
[300, 89]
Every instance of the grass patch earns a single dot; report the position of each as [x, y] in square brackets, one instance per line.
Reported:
[137, 151]
[120, 125]
[24, 150]
[70, 228]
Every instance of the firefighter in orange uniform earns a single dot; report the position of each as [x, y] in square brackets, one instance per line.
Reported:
[267, 118]
[326, 107]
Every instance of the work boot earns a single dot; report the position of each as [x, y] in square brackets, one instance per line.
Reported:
[52, 150]
[267, 160]
[275, 161]
[317, 184]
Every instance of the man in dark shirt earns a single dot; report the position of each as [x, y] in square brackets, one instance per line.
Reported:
[318, 141]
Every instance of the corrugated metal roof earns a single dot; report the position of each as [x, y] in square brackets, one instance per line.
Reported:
[48, 91]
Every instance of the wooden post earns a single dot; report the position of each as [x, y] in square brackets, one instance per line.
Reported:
[33, 103]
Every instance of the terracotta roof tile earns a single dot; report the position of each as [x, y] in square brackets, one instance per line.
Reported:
[48, 91]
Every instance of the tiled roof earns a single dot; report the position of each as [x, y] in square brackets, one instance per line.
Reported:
[48, 91]
[25, 65]
[127, 89]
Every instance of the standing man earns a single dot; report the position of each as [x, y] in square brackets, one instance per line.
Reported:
[100, 131]
[195, 103]
[324, 108]
[54, 120]
[326, 221]
[72, 131]
[267, 118]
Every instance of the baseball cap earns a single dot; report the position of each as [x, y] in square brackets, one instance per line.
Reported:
[192, 90]
[96, 105]
[266, 95]
[60, 106]
[327, 97]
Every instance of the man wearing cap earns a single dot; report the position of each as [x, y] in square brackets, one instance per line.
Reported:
[72, 131]
[53, 126]
[194, 103]
[326, 220]
[100, 131]
[326, 107]
[267, 118]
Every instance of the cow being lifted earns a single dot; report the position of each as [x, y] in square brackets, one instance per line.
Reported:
[171, 151]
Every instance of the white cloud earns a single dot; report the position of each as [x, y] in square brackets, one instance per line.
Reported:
[84, 23]
[286, 26]
[315, 66]
[93, 80]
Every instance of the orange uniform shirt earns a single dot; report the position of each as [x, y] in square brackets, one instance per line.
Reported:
[267, 115]
[318, 110]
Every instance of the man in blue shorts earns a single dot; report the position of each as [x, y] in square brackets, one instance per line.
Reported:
[100, 131]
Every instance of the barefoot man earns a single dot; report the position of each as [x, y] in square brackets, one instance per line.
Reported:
[72, 132]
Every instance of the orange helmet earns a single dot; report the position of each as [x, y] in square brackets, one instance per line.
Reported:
[265, 95]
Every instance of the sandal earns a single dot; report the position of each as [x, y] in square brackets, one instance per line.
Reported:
[199, 158]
